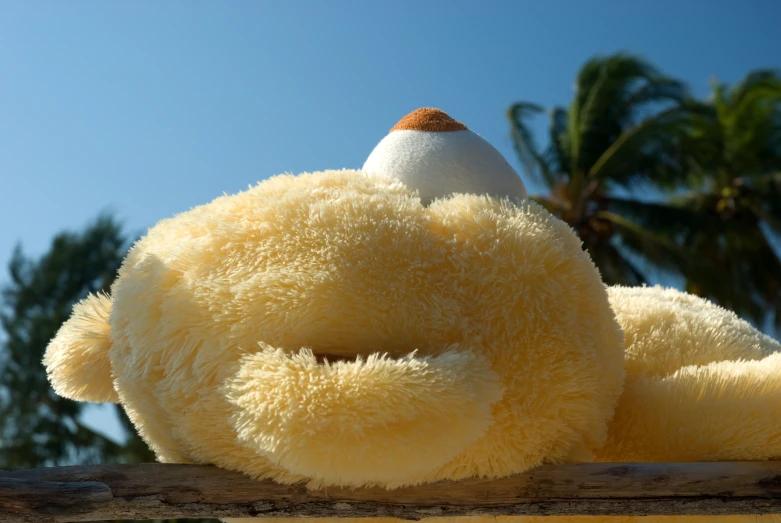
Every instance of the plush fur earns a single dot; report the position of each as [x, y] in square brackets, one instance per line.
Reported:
[77, 357]
[702, 384]
[328, 327]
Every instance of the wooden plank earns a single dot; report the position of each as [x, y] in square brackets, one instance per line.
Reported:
[110, 492]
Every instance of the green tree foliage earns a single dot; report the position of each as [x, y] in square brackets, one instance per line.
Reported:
[620, 132]
[735, 183]
[37, 427]
[639, 169]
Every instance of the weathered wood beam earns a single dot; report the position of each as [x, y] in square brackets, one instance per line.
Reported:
[110, 492]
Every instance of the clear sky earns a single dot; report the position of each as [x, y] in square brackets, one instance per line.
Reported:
[149, 108]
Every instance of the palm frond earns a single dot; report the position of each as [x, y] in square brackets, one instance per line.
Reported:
[549, 204]
[656, 150]
[745, 273]
[656, 248]
[659, 91]
[762, 83]
[535, 165]
[675, 222]
[614, 266]
[610, 91]
[558, 151]
[747, 130]
[768, 189]
[752, 267]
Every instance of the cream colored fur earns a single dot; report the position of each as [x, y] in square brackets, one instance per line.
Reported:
[77, 359]
[469, 337]
[322, 419]
[702, 385]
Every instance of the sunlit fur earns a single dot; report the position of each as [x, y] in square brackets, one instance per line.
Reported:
[77, 359]
[222, 317]
[702, 385]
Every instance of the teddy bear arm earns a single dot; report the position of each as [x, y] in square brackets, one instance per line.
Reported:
[77, 358]
[375, 419]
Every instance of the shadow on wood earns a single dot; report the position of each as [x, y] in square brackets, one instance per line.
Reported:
[110, 492]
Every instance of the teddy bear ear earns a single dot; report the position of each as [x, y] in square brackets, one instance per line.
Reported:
[77, 359]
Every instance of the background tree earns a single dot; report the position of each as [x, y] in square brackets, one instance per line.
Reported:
[631, 137]
[37, 427]
[735, 181]
[618, 135]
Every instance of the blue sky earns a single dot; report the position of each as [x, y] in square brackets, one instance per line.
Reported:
[149, 108]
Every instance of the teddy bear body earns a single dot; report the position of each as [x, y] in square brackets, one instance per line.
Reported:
[701, 385]
[249, 333]
[335, 328]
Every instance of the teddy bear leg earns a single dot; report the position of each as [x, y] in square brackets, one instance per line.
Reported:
[723, 411]
[702, 384]
[77, 359]
[373, 420]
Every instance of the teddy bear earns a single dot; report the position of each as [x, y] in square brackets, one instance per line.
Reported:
[416, 320]
[335, 328]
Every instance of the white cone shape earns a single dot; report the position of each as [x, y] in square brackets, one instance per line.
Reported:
[440, 163]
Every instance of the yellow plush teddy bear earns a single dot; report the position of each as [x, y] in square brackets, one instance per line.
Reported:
[417, 320]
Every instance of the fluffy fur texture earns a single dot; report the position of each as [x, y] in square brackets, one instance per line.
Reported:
[223, 316]
[702, 384]
[329, 328]
[320, 420]
[77, 359]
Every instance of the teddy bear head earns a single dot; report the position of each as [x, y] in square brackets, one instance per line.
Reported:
[341, 329]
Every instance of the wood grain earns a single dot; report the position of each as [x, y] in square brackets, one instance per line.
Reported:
[111, 492]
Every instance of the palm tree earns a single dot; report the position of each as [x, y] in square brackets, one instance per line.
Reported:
[630, 138]
[622, 132]
[736, 182]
